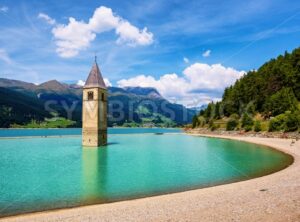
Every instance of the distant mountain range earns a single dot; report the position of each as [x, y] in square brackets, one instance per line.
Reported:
[22, 102]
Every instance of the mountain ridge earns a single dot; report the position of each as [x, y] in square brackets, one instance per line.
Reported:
[138, 100]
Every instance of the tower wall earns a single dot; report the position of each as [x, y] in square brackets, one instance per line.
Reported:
[94, 117]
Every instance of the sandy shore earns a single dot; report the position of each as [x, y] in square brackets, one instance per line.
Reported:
[275, 197]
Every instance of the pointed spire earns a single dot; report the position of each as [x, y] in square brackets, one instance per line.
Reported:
[95, 78]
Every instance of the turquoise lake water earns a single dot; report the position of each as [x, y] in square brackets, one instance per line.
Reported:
[49, 173]
[77, 131]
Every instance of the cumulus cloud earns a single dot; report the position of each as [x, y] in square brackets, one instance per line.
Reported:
[47, 18]
[199, 84]
[3, 9]
[77, 35]
[80, 82]
[5, 57]
[206, 53]
[106, 81]
[186, 60]
[72, 38]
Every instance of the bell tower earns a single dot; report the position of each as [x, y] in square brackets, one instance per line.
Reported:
[94, 109]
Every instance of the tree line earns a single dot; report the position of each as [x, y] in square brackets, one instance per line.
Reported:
[271, 93]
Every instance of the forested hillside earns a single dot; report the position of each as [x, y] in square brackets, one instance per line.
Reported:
[268, 96]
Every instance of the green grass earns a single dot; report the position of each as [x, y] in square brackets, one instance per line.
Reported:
[55, 122]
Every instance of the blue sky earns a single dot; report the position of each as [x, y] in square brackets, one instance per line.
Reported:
[190, 50]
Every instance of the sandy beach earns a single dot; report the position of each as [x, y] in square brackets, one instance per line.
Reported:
[274, 197]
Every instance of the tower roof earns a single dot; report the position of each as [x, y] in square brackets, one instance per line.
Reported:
[95, 78]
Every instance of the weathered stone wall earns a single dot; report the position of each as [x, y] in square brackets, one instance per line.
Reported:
[94, 117]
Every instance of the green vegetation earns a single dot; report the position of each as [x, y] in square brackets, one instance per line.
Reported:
[287, 122]
[19, 108]
[56, 122]
[232, 124]
[262, 100]
[247, 122]
[151, 120]
[257, 126]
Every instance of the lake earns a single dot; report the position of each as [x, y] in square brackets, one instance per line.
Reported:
[78, 131]
[57, 172]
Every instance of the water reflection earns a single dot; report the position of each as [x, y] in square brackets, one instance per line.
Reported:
[94, 174]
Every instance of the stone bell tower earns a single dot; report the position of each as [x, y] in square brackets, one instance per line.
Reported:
[94, 109]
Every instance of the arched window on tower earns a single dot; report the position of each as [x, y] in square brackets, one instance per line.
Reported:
[90, 95]
[102, 96]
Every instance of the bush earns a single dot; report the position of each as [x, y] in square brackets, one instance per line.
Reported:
[210, 123]
[247, 128]
[231, 124]
[214, 127]
[277, 123]
[247, 121]
[234, 116]
[292, 121]
[257, 126]
[288, 122]
[201, 121]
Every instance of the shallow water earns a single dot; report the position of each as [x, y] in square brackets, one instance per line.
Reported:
[48, 173]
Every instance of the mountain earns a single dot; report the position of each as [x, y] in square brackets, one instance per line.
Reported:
[199, 108]
[19, 108]
[16, 84]
[130, 106]
[143, 91]
[270, 94]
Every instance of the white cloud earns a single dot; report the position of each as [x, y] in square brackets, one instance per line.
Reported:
[200, 83]
[186, 60]
[106, 81]
[77, 35]
[132, 36]
[80, 82]
[4, 9]
[5, 57]
[206, 53]
[213, 76]
[47, 18]
[72, 38]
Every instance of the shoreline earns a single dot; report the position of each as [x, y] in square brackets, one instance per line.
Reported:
[261, 134]
[274, 197]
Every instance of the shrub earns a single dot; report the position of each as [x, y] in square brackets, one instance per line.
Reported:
[277, 123]
[247, 121]
[214, 127]
[289, 122]
[234, 116]
[292, 121]
[210, 123]
[257, 126]
[201, 121]
[231, 124]
[248, 128]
